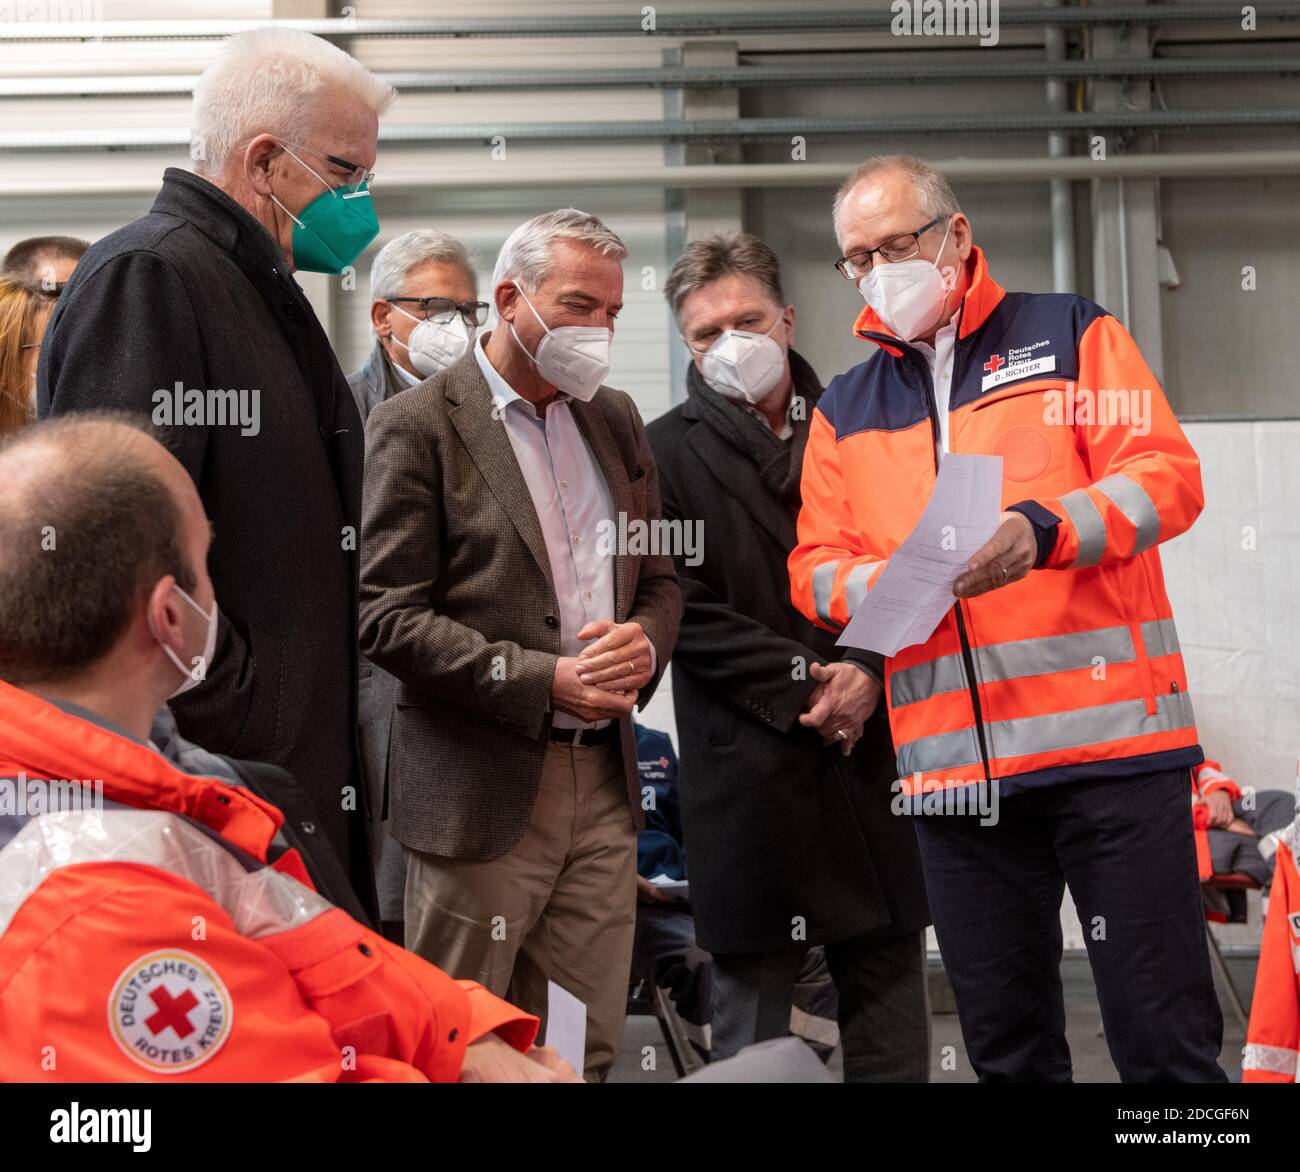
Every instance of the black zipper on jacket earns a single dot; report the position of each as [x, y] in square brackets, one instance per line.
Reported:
[967, 657]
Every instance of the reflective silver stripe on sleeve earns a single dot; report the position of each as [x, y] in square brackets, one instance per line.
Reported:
[1085, 726]
[1053, 653]
[261, 902]
[1089, 526]
[920, 682]
[1270, 1059]
[1133, 501]
[823, 580]
[855, 586]
[945, 751]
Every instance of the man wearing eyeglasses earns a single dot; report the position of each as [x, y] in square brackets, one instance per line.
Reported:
[1053, 691]
[191, 316]
[425, 315]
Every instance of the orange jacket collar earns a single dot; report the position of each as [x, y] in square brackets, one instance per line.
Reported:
[980, 299]
[42, 741]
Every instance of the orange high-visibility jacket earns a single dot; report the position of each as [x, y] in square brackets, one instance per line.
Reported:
[143, 934]
[1074, 670]
[1272, 1051]
[1206, 778]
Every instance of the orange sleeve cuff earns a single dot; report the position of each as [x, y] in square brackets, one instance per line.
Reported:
[488, 1014]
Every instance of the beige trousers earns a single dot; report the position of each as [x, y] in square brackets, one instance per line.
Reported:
[561, 906]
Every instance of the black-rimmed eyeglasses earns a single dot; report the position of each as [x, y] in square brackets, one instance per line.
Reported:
[857, 265]
[442, 309]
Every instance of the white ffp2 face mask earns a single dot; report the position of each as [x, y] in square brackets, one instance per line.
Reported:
[908, 295]
[573, 359]
[435, 346]
[196, 674]
[744, 366]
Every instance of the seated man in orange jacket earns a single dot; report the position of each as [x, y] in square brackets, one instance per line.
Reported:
[152, 925]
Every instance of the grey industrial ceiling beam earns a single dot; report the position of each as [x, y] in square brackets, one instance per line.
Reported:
[629, 25]
[706, 130]
[781, 76]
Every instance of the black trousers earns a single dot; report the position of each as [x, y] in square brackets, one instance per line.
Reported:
[1125, 848]
[884, 1004]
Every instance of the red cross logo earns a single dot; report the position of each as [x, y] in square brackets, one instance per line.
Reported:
[994, 364]
[172, 1011]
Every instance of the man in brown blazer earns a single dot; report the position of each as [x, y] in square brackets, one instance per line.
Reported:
[500, 587]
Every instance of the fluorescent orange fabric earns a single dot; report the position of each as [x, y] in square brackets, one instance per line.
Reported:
[1272, 1051]
[1076, 668]
[102, 956]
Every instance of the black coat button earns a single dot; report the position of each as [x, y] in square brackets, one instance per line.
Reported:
[552, 621]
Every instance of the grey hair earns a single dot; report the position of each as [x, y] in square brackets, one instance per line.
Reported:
[526, 254]
[703, 261]
[410, 250]
[265, 81]
[937, 198]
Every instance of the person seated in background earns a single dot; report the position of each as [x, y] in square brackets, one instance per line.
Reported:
[152, 922]
[45, 261]
[666, 951]
[1234, 830]
[424, 316]
[24, 314]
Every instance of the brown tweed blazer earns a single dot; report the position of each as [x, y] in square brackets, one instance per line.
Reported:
[458, 603]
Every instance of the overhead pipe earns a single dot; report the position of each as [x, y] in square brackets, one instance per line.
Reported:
[632, 24]
[498, 177]
[704, 77]
[1058, 147]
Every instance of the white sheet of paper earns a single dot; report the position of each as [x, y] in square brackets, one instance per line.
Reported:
[914, 590]
[566, 1025]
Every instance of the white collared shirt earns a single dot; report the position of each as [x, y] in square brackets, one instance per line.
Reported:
[939, 358]
[572, 499]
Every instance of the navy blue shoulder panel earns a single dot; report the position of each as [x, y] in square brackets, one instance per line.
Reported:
[1040, 331]
[876, 395]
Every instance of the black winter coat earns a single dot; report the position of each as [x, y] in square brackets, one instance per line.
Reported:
[198, 293]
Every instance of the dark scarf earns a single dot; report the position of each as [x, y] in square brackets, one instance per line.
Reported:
[779, 462]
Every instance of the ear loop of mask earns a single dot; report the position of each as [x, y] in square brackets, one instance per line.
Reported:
[300, 163]
[537, 315]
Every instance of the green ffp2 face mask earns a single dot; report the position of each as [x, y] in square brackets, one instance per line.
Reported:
[333, 230]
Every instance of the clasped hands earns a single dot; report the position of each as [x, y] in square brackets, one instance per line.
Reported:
[602, 682]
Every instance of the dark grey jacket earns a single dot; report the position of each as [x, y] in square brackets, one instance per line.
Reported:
[457, 602]
[777, 826]
[197, 292]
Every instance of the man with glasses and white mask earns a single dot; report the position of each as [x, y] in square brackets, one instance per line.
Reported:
[424, 314]
[501, 586]
[191, 316]
[1043, 730]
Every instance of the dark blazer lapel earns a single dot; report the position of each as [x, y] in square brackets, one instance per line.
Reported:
[485, 438]
[739, 479]
[591, 422]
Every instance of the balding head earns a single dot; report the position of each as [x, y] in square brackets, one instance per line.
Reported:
[95, 516]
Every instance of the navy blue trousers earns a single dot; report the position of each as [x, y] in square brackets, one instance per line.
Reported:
[1125, 847]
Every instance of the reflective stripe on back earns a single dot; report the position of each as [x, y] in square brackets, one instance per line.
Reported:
[260, 902]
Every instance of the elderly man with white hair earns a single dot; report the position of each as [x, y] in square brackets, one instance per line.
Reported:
[497, 587]
[191, 316]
